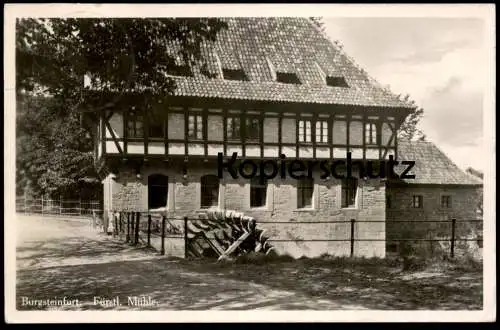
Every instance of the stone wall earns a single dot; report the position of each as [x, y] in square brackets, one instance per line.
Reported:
[280, 217]
[433, 221]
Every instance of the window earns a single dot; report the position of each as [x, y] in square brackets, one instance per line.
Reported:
[195, 127]
[179, 70]
[392, 247]
[258, 192]
[349, 189]
[157, 191]
[135, 124]
[252, 129]
[209, 191]
[233, 128]
[446, 201]
[305, 188]
[287, 78]
[370, 133]
[304, 131]
[417, 201]
[238, 74]
[336, 81]
[156, 125]
[322, 131]
[156, 129]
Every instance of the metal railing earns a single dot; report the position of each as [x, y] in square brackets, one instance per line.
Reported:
[135, 227]
[58, 206]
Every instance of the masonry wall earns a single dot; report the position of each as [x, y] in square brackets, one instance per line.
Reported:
[433, 221]
[280, 217]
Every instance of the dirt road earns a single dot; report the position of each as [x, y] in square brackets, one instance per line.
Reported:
[61, 260]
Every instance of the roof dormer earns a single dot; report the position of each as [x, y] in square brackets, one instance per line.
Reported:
[330, 80]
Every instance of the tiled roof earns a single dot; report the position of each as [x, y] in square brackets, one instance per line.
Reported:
[432, 166]
[292, 45]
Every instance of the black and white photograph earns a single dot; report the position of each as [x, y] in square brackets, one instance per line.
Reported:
[209, 159]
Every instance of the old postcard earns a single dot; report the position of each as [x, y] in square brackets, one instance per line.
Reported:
[174, 163]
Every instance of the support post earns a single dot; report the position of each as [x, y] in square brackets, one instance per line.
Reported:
[115, 227]
[452, 241]
[132, 228]
[185, 237]
[128, 227]
[352, 237]
[149, 230]
[162, 251]
[137, 219]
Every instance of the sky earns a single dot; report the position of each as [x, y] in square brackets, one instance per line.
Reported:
[435, 60]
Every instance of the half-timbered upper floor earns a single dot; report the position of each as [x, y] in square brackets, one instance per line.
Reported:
[195, 130]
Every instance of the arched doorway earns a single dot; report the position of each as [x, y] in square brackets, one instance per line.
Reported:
[157, 191]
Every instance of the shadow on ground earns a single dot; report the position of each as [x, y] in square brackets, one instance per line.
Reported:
[93, 266]
[374, 286]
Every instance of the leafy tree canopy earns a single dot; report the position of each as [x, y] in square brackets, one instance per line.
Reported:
[409, 130]
[118, 55]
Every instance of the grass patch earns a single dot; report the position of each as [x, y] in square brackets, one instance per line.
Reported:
[255, 258]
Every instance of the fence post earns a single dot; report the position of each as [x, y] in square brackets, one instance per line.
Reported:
[132, 227]
[185, 238]
[162, 251]
[137, 219]
[42, 204]
[60, 205]
[94, 219]
[149, 230]
[25, 208]
[452, 242]
[121, 222]
[128, 227]
[80, 206]
[352, 237]
[115, 228]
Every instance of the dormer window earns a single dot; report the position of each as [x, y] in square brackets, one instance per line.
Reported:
[336, 81]
[287, 78]
[234, 74]
[333, 81]
[179, 70]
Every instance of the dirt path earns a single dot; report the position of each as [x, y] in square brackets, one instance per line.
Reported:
[67, 259]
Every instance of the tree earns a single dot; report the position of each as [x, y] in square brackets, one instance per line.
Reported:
[318, 21]
[54, 151]
[479, 198]
[409, 129]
